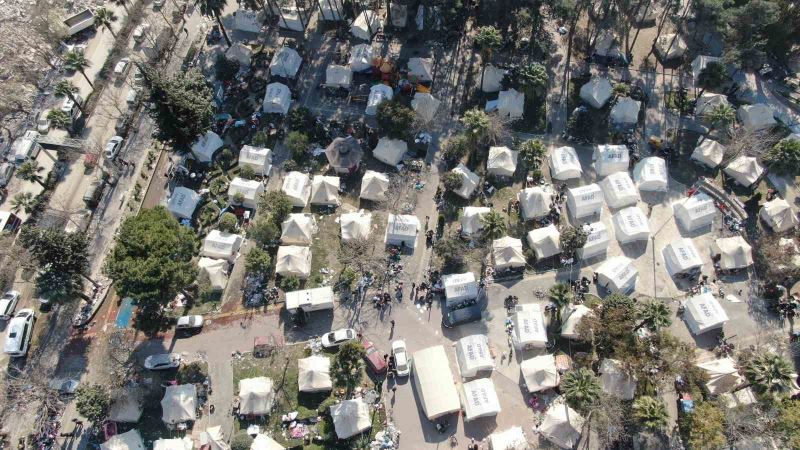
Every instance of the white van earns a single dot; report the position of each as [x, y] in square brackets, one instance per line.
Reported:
[18, 333]
[71, 108]
[6, 172]
[26, 148]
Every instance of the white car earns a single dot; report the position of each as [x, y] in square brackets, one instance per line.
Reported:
[43, 123]
[162, 361]
[64, 386]
[400, 354]
[113, 146]
[8, 302]
[122, 66]
[138, 78]
[189, 322]
[338, 337]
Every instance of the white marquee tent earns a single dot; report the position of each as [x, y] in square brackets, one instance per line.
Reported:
[734, 252]
[289, 19]
[257, 158]
[778, 215]
[492, 79]
[562, 425]
[361, 57]
[331, 10]
[471, 220]
[256, 396]
[130, 440]
[615, 381]
[708, 101]
[618, 274]
[184, 443]
[240, 53]
[434, 382]
[350, 417]
[459, 286]
[297, 186]
[670, 46]
[571, 320]
[597, 240]
[402, 230]
[507, 253]
[126, 406]
[277, 99]
[338, 76]
[264, 442]
[421, 68]
[695, 212]
[377, 94]
[610, 158]
[480, 399]
[216, 270]
[650, 174]
[709, 153]
[564, 164]
[390, 151]
[374, 186]
[179, 404]
[625, 112]
[183, 202]
[682, 257]
[540, 373]
[222, 245]
[530, 329]
[213, 438]
[298, 229]
[315, 299]
[545, 241]
[700, 62]
[596, 92]
[723, 375]
[355, 225]
[324, 190]
[704, 313]
[366, 25]
[204, 147]
[631, 224]
[535, 202]
[502, 161]
[425, 106]
[293, 260]
[756, 117]
[584, 201]
[510, 439]
[745, 170]
[619, 190]
[511, 104]
[473, 355]
[250, 190]
[314, 374]
[469, 181]
[285, 63]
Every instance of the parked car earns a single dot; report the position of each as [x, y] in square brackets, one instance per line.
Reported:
[338, 337]
[113, 147]
[8, 302]
[42, 122]
[189, 322]
[400, 354]
[461, 316]
[18, 333]
[71, 108]
[130, 99]
[6, 172]
[122, 125]
[373, 357]
[93, 192]
[122, 67]
[140, 32]
[138, 78]
[162, 361]
[65, 386]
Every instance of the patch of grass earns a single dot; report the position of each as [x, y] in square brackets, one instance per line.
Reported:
[324, 249]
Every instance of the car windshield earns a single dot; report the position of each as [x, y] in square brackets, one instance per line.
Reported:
[7, 296]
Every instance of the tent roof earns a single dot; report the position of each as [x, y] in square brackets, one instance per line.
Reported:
[460, 286]
[206, 145]
[374, 186]
[298, 229]
[625, 111]
[257, 157]
[510, 439]
[297, 186]
[618, 274]
[564, 163]
[355, 225]
[511, 103]
[651, 174]
[339, 76]
[605, 43]
[256, 396]
[421, 68]
[473, 355]
[239, 52]
[277, 99]
[610, 158]
[619, 190]
[350, 417]
[214, 438]
[696, 211]
[507, 252]
[745, 170]
[480, 399]
[366, 25]
[217, 271]
[616, 381]
[585, 200]
[709, 152]
[700, 62]
[471, 219]
[218, 244]
[251, 189]
[469, 181]
[704, 313]
[402, 226]
[285, 63]
[546, 241]
[540, 373]
[778, 214]
[492, 79]
[293, 260]
[708, 101]
[183, 202]
[597, 240]
[572, 319]
[246, 20]
[530, 328]
[173, 444]
[670, 46]
[378, 94]
[723, 375]
[126, 406]
[344, 153]
[681, 256]
[535, 202]
[502, 161]
[314, 374]
[264, 442]
[434, 382]
[179, 403]
[130, 440]
[735, 251]
[596, 92]
[631, 224]
[324, 190]
[756, 117]
[425, 105]
[562, 425]
[390, 151]
[361, 56]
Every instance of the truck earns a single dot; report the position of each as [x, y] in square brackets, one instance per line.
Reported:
[79, 22]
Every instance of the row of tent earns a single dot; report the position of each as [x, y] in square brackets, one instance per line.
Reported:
[183, 201]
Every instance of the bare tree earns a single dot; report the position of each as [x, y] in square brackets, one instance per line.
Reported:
[744, 142]
[401, 197]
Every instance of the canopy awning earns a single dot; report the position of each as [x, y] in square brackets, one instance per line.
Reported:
[511, 104]
[584, 201]
[507, 253]
[618, 274]
[650, 174]
[610, 158]
[502, 161]
[695, 212]
[298, 229]
[631, 224]
[597, 240]
[285, 63]
[390, 151]
[473, 355]
[734, 253]
[564, 164]
[681, 256]
[277, 99]
[709, 153]
[460, 286]
[293, 260]
[540, 373]
[314, 374]
[469, 181]
[778, 214]
[344, 154]
[222, 245]
[535, 202]
[183, 202]
[704, 313]
[179, 404]
[545, 241]
[480, 399]
[256, 396]
[297, 186]
[471, 220]
[596, 92]
[356, 225]
[434, 382]
[619, 190]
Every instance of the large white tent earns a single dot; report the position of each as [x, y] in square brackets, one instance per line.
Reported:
[314, 374]
[129, 440]
[249, 190]
[374, 186]
[471, 220]
[434, 382]
[708, 101]
[264, 442]
[700, 62]
[597, 240]
[469, 181]
[610, 158]
[535, 202]
[709, 153]
[502, 161]
[216, 270]
[402, 230]
[179, 404]
[511, 104]
[285, 63]
[277, 99]
[545, 241]
[293, 260]
[625, 113]
[723, 375]
[289, 19]
[377, 95]
[670, 46]
[480, 399]
[459, 286]
[778, 215]
[338, 76]
[564, 164]
[184, 443]
[619, 190]
[682, 257]
[297, 186]
[222, 245]
[350, 417]
[492, 79]
[421, 68]
[704, 313]
[324, 190]
[361, 57]
[631, 224]
[596, 92]
[562, 425]
[695, 212]
[650, 174]
[204, 147]
[331, 10]
[507, 253]
[584, 201]
[573, 316]
[530, 329]
[756, 117]
[240, 53]
[618, 274]
[425, 106]
[390, 151]
[126, 406]
[355, 225]
[510, 439]
[257, 158]
[745, 170]
[183, 202]
[256, 396]
[540, 373]
[298, 229]
[473, 355]
[366, 25]
[315, 299]
[616, 381]
[213, 439]
[734, 252]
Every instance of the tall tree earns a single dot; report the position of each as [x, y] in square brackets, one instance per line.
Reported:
[104, 17]
[214, 8]
[533, 80]
[581, 389]
[712, 77]
[183, 104]
[30, 171]
[93, 401]
[572, 239]
[77, 62]
[784, 157]
[65, 88]
[24, 201]
[59, 119]
[531, 153]
[720, 116]
[477, 124]
[62, 258]
[487, 40]
[494, 225]
[747, 32]
[653, 314]
[560, 295]
[706, 427]
[347, 366]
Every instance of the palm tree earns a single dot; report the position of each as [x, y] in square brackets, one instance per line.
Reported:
[78, 62]
[721, 116]
[66, 88]
[214, 8]
[494, 225]
[580, 389]
[25, 201]
[650, 412]
[122, 3]
[533, 80]
[59, 119]
[488, 40]
[561, 295]
[770, 374]
[29, 171]
[105, 17]
[654, 315]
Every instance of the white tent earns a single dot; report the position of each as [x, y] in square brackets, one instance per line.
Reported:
[290, 19]
[293, 260]
[179, 404]
[540, 373]
[571, 320]
[183, 202]
[277, 99]
[316, 299]
[545, 241]
[206, 145]
[338, 76]
[625, 112]
[670, 46]
[374, 186]
[682, 257]
[616, 381]
[561, 425]
[723, 375]
[324, 190]
[530, 329]
[778, 215]
[695, 212]
[390, 151]
[285, 63]
[631, 224]
[402, 230]
[584, 201]
[264, 442]
[734, 252]
[709, 152]
[184, 443]
[257, 158]
[256, 396]
[214, 440]
[250, 190]
[473, 355]
[756, 117]
[246, 20]
[421, 68]
[298, 229]
[511, 104]
[240, 53]
[597, 240]
[707, 102]
[222, 245]
[350, 417]
[366, 25]
[425, 106]
[605, 44]
[469, 181]
[130, 440]
[650, 174]
[216, 270]
[745, 170]
[492, 79]
[434, 382]
[502, 161]
[700, 62]
[471, 220]
[377, 95]
[510, 439]
[618, 274]
[459, 286]
[361, 56]
[619, 190]
[314, 374]
[356, 225]
[704, 313]
[480, 399]
[507, 253]
[297, 186]
[610, 158]
[535, 202]
[564, 164]
[126, 406]
[596, 92]
[331, 10]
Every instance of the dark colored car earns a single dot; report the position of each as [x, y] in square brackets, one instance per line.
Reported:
[373, 357]
[461, 316]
